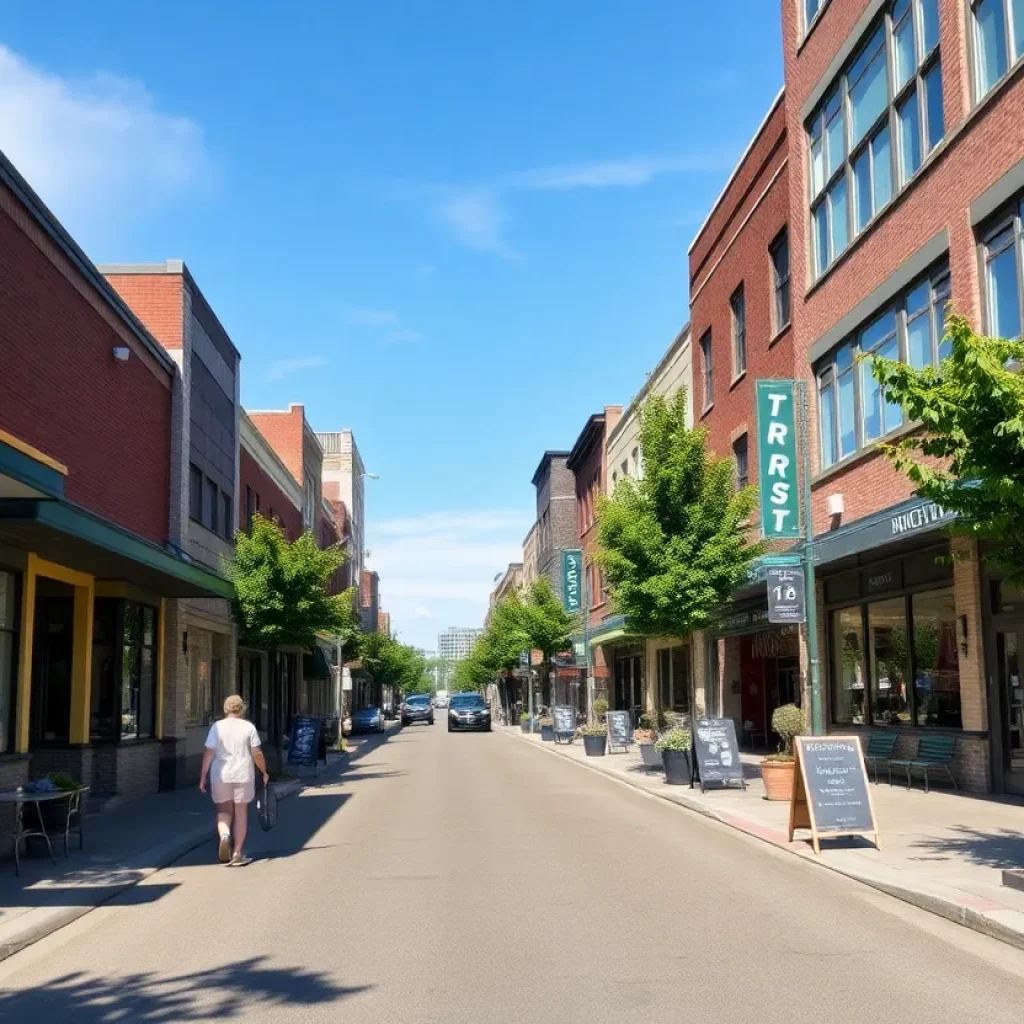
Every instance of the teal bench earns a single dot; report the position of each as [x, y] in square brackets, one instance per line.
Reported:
[880, 750]
[934, 754]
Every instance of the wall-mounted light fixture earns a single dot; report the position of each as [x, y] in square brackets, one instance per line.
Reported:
[122, 353]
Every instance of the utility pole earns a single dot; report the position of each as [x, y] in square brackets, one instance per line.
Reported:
[811, 626]
[588, 678]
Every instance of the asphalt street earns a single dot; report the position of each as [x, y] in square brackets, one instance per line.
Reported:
[475, 878]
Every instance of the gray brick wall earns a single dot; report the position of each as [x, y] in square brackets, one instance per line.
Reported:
[556, 494]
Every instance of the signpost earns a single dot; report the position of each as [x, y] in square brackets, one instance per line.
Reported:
[620, 729]
[305, 746]
[565, 723]
[831, 796]
[572, 580]
[717, 754]
[787, 598]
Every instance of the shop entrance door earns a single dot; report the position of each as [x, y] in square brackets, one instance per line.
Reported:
[51, 663]
[1011, 699]
[629, 685]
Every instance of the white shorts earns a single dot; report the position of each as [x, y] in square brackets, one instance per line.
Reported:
[233, 792]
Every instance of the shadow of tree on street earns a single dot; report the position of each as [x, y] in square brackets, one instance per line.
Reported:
[220, 993]
[993, 848]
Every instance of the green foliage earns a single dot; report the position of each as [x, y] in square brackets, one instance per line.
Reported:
[64, 782]
[675, 739]
[593, 729]
[787, 722]
[970, 457]
[547, 626]
[600, 709]
[281, 589]
[648, 722]
[394, 664]
[674, 544]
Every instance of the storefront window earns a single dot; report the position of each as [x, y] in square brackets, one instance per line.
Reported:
[936, 662]
[103, 722]
[8, 647]
[887, 647]
[199, 695]
[674, 678]
[849, 691]
[138, 671]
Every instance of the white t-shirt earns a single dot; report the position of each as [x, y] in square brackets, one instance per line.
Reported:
[232, 739]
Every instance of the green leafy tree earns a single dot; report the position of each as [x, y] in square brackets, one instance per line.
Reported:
[970, 456]
[393, 664]
[676, 543]
[547, 625]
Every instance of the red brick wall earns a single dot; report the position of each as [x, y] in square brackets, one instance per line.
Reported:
[157, 300]
[251, 474]
[62, 391]
[730, 251]
[283, 431]
[938, 198]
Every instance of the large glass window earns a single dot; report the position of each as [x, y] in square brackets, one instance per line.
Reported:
[199, 695]
[674, 678]
[780, 279]
[1003, 278]
[936, 662]
[888, 661]
[709, 380]
[890, 90]
[138, 671]
[105, 691]
[849, 682]
[851, 410]
[8, 649]
[992, 35]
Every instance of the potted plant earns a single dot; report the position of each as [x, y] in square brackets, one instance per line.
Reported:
[777, 769]
[600, 710]
[524, 722]
[547, 729]
[646, 736]
[675, 747]
[595, 739]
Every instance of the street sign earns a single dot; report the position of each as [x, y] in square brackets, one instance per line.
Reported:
[572, 579]
[787, 596]
[830, 789]
[789, 558]
[524, 659]
[776, 445]
[718, 753]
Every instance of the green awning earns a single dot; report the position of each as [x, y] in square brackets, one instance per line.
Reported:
[315, 664]
[61, 532]
[26, 476]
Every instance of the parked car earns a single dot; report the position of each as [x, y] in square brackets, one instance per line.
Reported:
[468, 711]
[418, 708]
[368, 720]
[441, 699]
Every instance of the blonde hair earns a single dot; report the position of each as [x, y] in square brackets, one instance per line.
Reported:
[234, 705]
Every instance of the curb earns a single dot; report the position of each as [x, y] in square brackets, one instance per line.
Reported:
[43, 921]
[979, 920]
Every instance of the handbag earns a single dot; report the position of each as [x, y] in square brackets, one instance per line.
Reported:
[266, 806]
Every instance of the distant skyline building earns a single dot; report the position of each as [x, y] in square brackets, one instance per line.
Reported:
[455, 642]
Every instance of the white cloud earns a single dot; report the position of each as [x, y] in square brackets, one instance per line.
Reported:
[476, 217]
[364, 316]
[96, 147]
[621, 173]
[438, 569]
[285, 367]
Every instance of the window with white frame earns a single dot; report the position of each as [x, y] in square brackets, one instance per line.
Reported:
[738, 306]
[811, 9]
[779, 252]
[852, 412]
[872, 131]
[1004, 287]
[998, 27]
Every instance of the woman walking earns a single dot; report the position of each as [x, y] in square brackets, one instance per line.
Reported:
[231, 755]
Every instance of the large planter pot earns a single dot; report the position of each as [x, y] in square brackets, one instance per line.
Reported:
[547, 733]
[778, 779]
[651, 756]
[595, 746]
[677, 767]
[525, 726]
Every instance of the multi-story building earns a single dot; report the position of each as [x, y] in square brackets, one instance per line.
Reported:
[531, 568]
[344, 480]
[203, 496]
[369, 597]
[384, 622]
[616, 661]
[455, 642]
[557, 527]
[905, 127]
[508, 582]
[92, 558]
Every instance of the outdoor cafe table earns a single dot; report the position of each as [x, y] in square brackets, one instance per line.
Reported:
[20, 833]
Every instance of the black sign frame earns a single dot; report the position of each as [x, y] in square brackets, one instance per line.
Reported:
[305, 742]
[787, 594]
[620, 737]
[707, 763]
[564, 715]
[815, 787]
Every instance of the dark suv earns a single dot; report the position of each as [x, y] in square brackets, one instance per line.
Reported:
[468, 711]
[418, 708]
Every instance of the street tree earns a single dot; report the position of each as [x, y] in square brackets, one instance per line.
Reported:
[676, 543]
[969, 458]
[393, 664]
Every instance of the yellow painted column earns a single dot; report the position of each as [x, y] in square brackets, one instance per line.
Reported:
[26, 642]
[161, 652]
[81, 663]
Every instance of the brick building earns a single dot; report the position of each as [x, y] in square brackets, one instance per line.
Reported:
[557, 528]
[344, 484]
[616, 662]
[904, 122]
[203, 498]
[89, 567]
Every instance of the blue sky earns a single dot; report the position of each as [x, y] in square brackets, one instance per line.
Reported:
[458, 228]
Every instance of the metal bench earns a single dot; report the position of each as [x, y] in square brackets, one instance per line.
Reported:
[880, 750]
[934, 754]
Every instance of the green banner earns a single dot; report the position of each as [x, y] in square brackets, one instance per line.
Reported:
[572, 579]
[776, 456]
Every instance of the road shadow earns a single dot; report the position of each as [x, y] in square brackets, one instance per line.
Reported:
[220, 993]
[991, 848]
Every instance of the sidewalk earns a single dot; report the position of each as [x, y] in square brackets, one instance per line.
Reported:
[940, 851]
[122, 848]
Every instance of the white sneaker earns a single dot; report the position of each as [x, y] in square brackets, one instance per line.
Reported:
[224, 849]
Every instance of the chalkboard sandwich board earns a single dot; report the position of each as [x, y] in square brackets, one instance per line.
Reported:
[830, 790]
[620, 729]
[565, 723]
[304, 743]
[717, 752]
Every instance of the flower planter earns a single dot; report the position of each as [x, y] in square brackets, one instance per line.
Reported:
[651, 756]
[525, 726]
[595, 745]
[778, 779]
[547, 733]
[677, 767]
